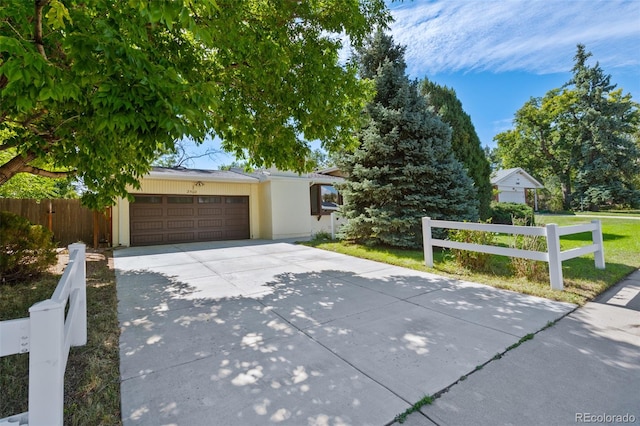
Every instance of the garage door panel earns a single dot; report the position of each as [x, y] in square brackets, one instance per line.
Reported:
[163, 219]
[147, 212]
[176, 224]
[210, 211]
[179, 237]
[211, 236]
[147, 226]
[173, 211]
[147, 239]
[210, 223]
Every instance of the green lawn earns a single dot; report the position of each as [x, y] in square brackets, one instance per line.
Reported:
[92, 379]
[582, 281]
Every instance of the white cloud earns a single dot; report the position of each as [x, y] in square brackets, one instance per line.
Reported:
[515, 35]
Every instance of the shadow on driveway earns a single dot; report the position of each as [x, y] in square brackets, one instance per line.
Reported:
[284, 334]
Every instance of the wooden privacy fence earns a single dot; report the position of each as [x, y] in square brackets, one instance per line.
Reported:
[68, 219]
[47, 336]
[552, 232]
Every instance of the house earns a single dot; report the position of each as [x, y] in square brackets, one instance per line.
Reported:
[177, 205]
[512, 185]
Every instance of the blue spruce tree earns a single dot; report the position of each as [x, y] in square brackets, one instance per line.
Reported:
[404, 168]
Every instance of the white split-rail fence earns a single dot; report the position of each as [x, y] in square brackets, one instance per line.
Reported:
[552, 232]
[47, 336]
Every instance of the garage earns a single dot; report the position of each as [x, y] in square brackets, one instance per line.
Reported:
[169, 219]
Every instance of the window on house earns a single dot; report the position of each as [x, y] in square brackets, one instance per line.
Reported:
[324, 199]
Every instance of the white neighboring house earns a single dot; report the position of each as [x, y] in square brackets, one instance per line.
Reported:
[512, 185]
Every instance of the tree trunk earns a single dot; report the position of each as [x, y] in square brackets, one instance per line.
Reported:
[565, 184]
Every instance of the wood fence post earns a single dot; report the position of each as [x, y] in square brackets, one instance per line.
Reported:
[596, 236]
[555, 263]
[426, 242]
[46, 372]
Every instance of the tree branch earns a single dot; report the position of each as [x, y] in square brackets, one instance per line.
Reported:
[20, 164]
[46, 173]
[38, 39]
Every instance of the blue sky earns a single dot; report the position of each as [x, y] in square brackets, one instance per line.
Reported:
[498, 54]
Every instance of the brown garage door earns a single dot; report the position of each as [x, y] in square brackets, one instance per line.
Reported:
[167, 219]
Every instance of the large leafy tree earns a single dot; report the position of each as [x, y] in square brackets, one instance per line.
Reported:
[540, 140]
[404, 167]
[582, 136]
[99, 88]
[464, 139]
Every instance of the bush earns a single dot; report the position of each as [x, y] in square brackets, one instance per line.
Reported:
[27, 250]
[505, 213]
[472, 259]
[533, 270]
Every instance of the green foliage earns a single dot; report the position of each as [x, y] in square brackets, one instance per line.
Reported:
[464, 140]
[533, 270]
[404, 168]
[99, 88]
[584, 135]
[27, 250]
[469, 259]
[506, 213]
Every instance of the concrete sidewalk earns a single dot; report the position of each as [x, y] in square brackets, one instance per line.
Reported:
[255, 333]
[584, 369]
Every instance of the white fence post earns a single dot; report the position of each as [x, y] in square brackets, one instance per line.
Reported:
[555, 263]
[596, 236]
[79, 326]
[426, 242]
[46, 372]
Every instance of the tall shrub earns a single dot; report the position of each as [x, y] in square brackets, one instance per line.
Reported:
[26, 250]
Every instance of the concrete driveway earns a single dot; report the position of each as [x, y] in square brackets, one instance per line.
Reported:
[262, 332]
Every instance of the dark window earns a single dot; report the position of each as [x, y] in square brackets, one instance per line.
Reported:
[236, 200]
[209, 200]
[324, 199]
[180, 200]
[146, 199]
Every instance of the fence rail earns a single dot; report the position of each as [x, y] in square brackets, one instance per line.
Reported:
[552, 232]
[47, 335]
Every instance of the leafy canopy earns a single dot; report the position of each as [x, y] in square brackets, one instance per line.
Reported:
[99, 88]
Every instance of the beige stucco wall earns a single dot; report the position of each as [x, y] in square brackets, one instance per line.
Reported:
[266, 225]
[290, 208]
[324, 224]
[120, 227]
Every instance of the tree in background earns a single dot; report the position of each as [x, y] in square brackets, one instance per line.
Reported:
[404, 167]
[604, 122]
[581, 136]
[98, 88]
[464, 140]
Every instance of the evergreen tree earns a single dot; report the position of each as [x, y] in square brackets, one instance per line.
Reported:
[605, 121]
[464, 140]
[404, 168]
